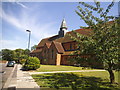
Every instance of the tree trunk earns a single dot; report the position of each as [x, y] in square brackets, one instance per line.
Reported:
[112, 77]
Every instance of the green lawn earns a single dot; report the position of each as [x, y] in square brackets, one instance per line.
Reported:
[77, 81]
[48, 68]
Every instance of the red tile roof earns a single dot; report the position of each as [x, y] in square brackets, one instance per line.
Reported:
[58, 41]
[48, 44]
[58, 47]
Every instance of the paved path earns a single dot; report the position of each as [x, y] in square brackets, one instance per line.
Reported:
[25, 81]
[65, 71]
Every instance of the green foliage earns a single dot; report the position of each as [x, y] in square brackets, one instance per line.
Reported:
[7, 54]
[16, 55]
[32, 63]
[33, 47]
[22, 61]
[103, 42]
[26, 51]
[73, 81]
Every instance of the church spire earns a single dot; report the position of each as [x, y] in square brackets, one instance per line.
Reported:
[63, 24]
[63, 28]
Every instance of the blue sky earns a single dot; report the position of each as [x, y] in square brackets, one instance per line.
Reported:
[42, 18]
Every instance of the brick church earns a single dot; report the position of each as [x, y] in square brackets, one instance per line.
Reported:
[56, 50]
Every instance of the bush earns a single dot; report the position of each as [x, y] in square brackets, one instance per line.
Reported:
[22, 61]
[32, 63]
[23, 58]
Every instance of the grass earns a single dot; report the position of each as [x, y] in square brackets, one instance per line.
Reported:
[76, 81]
[102, 74]
[49, 68]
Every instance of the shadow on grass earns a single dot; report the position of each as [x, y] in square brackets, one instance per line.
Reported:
[73, 81]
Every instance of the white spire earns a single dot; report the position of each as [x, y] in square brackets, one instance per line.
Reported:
[63, 24]
[63, 28]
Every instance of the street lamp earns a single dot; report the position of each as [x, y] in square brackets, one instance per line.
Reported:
[29, 38]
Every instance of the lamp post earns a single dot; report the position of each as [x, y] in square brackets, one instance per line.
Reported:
[29, 38]
[28, 46]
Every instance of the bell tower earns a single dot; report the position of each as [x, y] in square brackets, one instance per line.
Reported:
[63, 29]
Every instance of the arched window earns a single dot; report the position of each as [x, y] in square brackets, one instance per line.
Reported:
[45, 53]
[52, 53]
[70, 46]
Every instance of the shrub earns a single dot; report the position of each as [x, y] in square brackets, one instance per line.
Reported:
[32, 63]
[22, 61]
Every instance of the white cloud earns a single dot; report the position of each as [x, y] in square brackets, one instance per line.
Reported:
[29, 19]
[11, 44]
[22, 5]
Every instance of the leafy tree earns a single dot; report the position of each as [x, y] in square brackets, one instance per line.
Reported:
[26, 51]
[7, 54]
[18, 53]
[23, 59]
[103, 40]
[33, 47]
[32, 63]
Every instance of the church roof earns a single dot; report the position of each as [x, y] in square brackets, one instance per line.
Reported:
[58, 47]
[36, 51]
[47, 40]
[48, 44]
[66, 38]
[59, 40]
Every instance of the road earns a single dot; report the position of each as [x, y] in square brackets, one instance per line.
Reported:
[4, 73]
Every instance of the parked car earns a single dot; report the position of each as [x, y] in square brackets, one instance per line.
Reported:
[10, 64]
[13, 62]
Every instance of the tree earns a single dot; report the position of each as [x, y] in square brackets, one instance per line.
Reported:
[33, 47]
[7, 54]
[26, 51]
[103, 42]
[32, 63]
[18, 53]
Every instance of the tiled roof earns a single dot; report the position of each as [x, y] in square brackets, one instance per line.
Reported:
[47, 40]
[82, 31]
[67, 38]
[36, 51]
[58, 47]
[58, 40]
[48, 44]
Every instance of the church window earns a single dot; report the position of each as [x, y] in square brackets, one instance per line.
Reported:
[52, 53]
[70, 46]
[45, 53]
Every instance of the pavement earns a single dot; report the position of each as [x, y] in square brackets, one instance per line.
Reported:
[20, 80]
[25, 81]
[65, 71]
